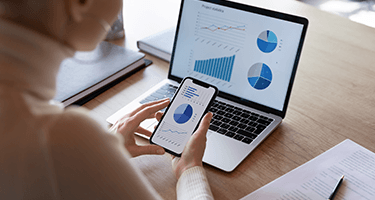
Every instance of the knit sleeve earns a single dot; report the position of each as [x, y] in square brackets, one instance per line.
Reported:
[89, 163]
[193, 185]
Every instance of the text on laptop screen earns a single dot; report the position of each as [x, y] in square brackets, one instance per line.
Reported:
[244, 54]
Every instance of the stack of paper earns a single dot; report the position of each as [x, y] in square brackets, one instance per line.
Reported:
[316, 179]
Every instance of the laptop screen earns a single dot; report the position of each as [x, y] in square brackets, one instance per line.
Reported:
[247, 52]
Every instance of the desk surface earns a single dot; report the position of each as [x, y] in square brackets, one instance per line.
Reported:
[333, 96]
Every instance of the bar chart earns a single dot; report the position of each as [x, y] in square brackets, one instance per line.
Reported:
[220, 68]
[190, 92]
[193, 95]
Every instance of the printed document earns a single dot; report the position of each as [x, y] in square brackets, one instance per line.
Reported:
[316, 179]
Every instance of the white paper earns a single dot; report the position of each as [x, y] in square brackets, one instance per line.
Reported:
[316, 179]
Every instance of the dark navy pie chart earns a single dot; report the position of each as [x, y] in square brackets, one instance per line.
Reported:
[259, 76]
[183, 113]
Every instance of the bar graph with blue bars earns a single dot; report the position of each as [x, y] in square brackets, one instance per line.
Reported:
[220, 68]
[191, 92]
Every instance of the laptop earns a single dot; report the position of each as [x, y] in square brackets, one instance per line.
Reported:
[251, 54]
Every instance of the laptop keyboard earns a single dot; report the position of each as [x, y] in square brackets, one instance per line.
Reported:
[228, 120]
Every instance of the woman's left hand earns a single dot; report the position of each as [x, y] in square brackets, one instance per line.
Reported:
[130, 124]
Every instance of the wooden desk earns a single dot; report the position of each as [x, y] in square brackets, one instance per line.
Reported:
[333, 96]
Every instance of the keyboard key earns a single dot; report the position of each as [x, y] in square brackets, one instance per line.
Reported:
[220, 112]
[213, 127]
[236, 112]
[253, 118]
[221, 107]
[242, 126]
[247, 134]
[157, 95]
[244, 121]
[215, 105]
[213, 109]
[234, 123]
[253, 124]
[233, 128]
[161, 91]
[217, 123]
[254, 114]
[221, 103]
[230, 134]
[228, 115]
[246, 111]
[238, 137]
[264, 122]
[230, 106]
[236, 118]
[250, 129]
[270, 120]
[260, 129]
[165, 87]
[237, 108]
[261, 126]
[229, 110]
[218, 117]
[247, 140]
[226, 126]
[222, 131]
[245, 115]
[225, 120]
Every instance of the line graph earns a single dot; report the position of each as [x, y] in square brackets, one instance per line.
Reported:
[171, 134]
[215, 29]
[169, 130]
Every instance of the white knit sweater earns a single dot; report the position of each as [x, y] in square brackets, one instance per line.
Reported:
[50, 153]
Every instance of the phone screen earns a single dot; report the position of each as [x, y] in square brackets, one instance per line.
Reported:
[183, 115]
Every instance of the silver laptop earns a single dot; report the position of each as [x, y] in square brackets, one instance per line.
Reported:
[251, 55]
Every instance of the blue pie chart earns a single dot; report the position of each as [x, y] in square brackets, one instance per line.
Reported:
[259, 76]
[183, 113]
[267, 41]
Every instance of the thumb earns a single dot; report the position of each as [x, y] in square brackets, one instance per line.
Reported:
[204, 125]
[150, 149]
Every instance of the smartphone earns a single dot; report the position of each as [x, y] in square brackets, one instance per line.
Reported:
[183, 115]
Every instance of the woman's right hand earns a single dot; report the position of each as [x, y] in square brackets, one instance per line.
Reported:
[194, 149]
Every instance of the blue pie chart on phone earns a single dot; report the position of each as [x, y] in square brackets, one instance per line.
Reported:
[183, 113]
[259, 76]
[267, 41]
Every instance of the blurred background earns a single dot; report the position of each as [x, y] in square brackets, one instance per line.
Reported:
[361, 11]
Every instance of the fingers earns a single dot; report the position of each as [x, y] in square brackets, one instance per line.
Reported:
[148, 149]
[143, 131]
[159, 115]
[150, 110]
[134, 121]
[143, 106]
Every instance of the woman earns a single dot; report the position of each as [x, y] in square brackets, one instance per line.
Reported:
[50, 153]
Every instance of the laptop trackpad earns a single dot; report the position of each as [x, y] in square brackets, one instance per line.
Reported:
[223, 152]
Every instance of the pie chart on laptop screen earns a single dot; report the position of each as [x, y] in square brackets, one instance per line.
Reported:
[267, 41]
[259, 76]
[183, 113]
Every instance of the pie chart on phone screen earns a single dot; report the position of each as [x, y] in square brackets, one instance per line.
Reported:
[183, 113]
